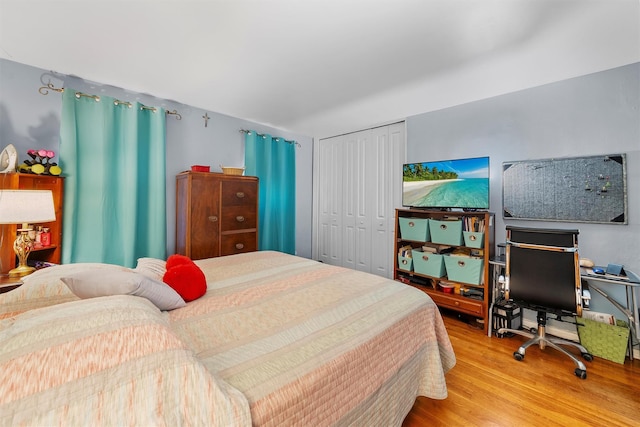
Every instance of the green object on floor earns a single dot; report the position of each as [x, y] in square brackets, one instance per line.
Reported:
[604, 340]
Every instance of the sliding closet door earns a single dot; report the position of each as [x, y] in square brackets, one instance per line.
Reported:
[357, 192]
[396, 157]
[329, 201]
[356, 210]
[388, 151]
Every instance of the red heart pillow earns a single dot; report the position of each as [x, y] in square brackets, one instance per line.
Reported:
[176, 259]
[185, 277]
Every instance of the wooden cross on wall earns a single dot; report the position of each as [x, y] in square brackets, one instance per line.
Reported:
[206, 119]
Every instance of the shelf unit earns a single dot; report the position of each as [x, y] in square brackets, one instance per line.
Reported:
[475, 306]
[25, 181]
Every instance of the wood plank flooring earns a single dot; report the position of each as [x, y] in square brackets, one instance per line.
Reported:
[488, 387]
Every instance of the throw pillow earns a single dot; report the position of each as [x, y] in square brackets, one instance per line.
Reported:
[90, 284]
[185, 277]
[176, 259]
[151, 267]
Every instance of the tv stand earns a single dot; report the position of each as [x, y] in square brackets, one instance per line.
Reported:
[464, 285]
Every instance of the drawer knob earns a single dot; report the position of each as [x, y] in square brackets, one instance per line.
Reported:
[240, 195]
[213, 218]
[412, 224]
[443, 226]
[240, 218]
[460, 263]
[239, 246]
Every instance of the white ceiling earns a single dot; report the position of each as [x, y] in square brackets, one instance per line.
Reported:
[321, 67]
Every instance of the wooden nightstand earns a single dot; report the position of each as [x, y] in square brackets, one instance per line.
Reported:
[9, 283]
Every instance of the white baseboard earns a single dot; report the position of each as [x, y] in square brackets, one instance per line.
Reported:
[563, 333]
[552, 330]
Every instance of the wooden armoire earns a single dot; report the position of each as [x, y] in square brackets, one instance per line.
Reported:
[216, 214]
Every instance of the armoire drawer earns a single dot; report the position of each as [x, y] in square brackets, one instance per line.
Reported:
[236, 243]
[239, 193]
[238, 218]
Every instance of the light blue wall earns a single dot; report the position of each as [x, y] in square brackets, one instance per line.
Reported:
[31, 120]
[590, 115]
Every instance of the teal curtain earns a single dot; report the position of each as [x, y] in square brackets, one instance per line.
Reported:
[273, 161]
[113, 157]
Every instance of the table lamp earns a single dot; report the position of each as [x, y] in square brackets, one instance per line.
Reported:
[25, 207]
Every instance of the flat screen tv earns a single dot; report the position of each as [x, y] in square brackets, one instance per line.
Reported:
[447, 184]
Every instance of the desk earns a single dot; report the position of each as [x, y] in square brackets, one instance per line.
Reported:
[629, 308]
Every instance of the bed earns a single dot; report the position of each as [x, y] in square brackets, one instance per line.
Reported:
[275, 340]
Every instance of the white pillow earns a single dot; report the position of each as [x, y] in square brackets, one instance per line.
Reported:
[43, 287]
[90, 284]
[151, 267]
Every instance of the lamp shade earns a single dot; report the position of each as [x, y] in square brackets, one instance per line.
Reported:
[26, 206]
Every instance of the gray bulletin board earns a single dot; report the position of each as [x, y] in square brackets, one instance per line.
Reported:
[577, 189]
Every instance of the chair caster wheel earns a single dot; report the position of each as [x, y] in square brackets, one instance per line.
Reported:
[519, 356]
[580, 373]
[587, 356]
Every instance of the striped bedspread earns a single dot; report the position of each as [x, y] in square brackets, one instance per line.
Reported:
[109, 361]
[277, 340]
[313, 344]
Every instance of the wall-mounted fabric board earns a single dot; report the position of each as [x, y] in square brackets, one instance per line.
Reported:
[576, 189]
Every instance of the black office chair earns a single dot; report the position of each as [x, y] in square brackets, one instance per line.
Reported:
[543, 274]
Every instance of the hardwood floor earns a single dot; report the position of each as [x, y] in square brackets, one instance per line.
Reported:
[488, 387]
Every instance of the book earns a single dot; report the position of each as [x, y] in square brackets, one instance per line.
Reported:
[599, 317]
[405, 251]
[436, 248]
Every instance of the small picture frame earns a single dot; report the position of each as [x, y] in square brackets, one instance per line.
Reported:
[615, 269]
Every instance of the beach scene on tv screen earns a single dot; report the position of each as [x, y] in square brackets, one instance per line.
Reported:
[461, 183]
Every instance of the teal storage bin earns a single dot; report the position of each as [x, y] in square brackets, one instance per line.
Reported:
[473, 239]
[464, 269]
[405, 263]
[416, 229]
[428, 263]
[446, 232]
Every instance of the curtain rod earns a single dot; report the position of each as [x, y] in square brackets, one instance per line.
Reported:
[290, 141]
[44, 90]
